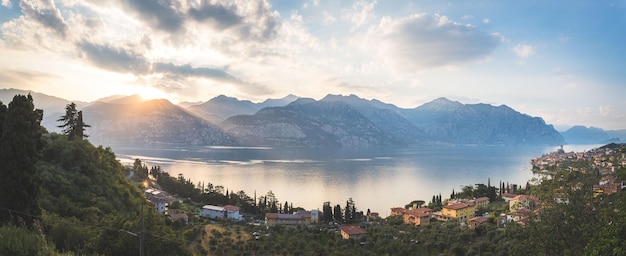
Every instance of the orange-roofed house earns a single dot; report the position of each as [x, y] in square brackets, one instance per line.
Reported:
[460, 211]
[417, 217]
[352, 232]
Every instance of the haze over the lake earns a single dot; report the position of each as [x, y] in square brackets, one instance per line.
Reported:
[559, 60]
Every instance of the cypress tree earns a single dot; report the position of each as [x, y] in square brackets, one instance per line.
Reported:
[20, 149]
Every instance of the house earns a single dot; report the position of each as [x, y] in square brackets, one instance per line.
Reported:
[419, 216]
[460, 211]
[219, 212]
[232, 212]
[160, 199]
[179, 216]
[397, 211]
[283, 219]
[352, 232]
[480, 202]
[518, 202]
[477, 221]
[508, 196]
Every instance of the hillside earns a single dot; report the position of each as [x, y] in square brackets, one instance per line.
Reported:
[67, 196]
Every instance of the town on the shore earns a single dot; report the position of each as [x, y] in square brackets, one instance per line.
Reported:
[509, 203]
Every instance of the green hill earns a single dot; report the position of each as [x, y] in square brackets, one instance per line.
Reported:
[81, 203]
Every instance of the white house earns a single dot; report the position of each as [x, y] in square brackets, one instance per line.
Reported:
[219, 212]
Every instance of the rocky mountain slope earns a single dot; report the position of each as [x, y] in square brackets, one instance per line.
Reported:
[150, 122]
[455, 123]
[334, 121]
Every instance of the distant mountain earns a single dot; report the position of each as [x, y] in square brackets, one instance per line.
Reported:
[308, 123]
[150, 122]
[482, 124]
[222, 107]
[592, 135]
[385, 117]
[53, 107]
[334, 121]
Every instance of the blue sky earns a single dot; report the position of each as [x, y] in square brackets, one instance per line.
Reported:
[561, 60]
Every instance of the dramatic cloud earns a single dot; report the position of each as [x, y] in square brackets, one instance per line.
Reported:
[222, 17]
[428, 41]
[250, 20]
[189, 71]
[46, 14]
[163, 15]
[115, 59]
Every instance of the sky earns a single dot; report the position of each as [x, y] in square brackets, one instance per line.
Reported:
[563, 61]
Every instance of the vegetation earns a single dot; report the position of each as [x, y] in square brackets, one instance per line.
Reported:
[60, 194]
[63, 196]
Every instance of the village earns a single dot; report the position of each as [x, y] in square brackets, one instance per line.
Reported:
[476, 208]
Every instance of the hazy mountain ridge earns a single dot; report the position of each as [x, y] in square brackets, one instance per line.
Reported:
[150, 122]
[456, 123]
[222, 107]
[592, 135]
[334, 121]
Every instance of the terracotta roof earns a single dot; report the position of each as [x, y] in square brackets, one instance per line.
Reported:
[482, 199]
[457, 206]
[420, 212]
[353, 230]
[479, 219]
[509, 195]
[231, 208]
[398, 209]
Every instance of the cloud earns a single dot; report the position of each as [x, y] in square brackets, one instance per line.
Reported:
[249, 20]
[189, 71]
[46, 14]
[222, 17]
[424, 41]
[117, 59]
[163, 15]
[362, 12]
[524, 51]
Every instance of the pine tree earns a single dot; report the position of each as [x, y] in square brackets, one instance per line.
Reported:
[20, 149]
[73, 124]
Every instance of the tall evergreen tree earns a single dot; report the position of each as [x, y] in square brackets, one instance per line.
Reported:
[73, 124]
[20, 149]
[327, 211]
[337, 213]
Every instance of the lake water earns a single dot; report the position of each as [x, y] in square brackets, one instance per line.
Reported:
[376, 179]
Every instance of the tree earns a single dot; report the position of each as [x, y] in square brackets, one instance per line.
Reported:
[73, 124]
[328, 212]
[20, 150]
[337, 213]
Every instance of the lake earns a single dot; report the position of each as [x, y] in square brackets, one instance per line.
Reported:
[376, 179]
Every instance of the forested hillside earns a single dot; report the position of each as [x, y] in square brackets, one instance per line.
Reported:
[62, 195]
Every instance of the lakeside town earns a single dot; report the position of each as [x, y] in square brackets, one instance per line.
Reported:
[470, 209]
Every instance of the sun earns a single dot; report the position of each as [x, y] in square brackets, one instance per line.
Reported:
[147, 93]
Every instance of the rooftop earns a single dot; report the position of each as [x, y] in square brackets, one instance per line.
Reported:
[353, 230]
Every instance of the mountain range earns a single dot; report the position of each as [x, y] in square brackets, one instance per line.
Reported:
[333, 121]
